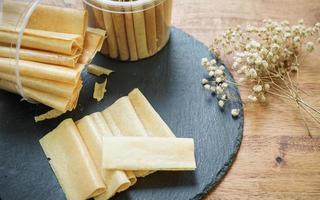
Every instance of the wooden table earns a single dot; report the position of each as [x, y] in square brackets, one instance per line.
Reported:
[277, 160]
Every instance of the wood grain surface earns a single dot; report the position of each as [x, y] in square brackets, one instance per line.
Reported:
[277, 160]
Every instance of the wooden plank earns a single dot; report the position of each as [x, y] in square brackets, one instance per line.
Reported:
[273, 167]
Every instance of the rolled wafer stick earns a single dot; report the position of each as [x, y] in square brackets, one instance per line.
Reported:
[98, 17]
[40, 70]
[161, 27]
[105, 48]
[111, 37]
[120, 31]
[53, 101]
[40, 56]
[131, 35]
[52, 87]
[140, 32]
[167, 5]
[151, 30]
[69, 44]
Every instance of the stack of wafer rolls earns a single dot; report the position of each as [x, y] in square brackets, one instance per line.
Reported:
[54, 48]
[136, 29]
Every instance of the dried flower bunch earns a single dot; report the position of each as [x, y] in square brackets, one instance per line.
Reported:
[268, 57]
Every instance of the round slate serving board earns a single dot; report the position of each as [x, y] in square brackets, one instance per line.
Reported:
[171, 82]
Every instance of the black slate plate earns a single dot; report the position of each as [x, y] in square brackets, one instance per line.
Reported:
[171, 82]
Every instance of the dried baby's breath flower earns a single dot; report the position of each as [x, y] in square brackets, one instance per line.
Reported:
[269, 57]
[216, 81]
[221, 103]
[204, 81]
[235, 112]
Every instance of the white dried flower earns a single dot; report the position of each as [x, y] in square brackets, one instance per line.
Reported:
[257, 88]
[204, 81]
[224, 97]
[294, 68]
[221, 67]
[204, 62]
[235, 65]
[224, 85]
[213, 62]
[211, 73]
[219, 90]
[253, 73]
[296, 39]
[235, 112]
[221, 103]
[262, 98]
[218, 72]
[219, 79]
[266, 86]
[207, 86]
[212, 68]
[252, 98]
[310, 46]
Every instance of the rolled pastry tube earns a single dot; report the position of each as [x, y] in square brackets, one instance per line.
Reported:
[47, 86]
[140, 32]
[40, 56]
[131, 34]
[151, 29]
[161, 26]
[41, 70]
[111, 36]
[121, 36]
[53, 101]
[63, 43]
[167, 6]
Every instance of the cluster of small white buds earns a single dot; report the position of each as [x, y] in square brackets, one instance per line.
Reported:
[216, 82]
[269, 50]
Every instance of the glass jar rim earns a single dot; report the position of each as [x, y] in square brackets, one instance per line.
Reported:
[113, 6]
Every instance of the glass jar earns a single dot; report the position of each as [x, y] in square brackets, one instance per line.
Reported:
[136, 29]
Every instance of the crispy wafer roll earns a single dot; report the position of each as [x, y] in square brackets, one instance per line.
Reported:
[63, 43]
[40, 70]
[121, 36]
[167, 5]
[111, 37]
[140, 33]
[53, 101]
[131, 35]
[151, 30]
[52, 87]
[40, 56]
[161, 27]
[98, 17]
